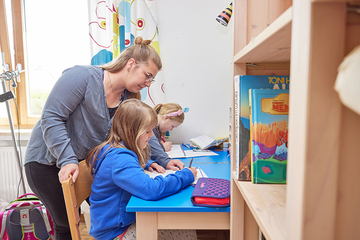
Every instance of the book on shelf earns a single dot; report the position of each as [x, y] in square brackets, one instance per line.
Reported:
[230, 124]
[269, 111]
[204, 142]
[242, 121]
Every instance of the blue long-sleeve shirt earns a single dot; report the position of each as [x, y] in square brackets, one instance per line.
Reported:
[117, 177]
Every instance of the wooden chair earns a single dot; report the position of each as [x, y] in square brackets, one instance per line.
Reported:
[74, 195]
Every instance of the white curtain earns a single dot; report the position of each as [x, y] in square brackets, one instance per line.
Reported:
[113, 26]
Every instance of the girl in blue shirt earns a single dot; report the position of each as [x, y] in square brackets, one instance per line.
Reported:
[118, 168]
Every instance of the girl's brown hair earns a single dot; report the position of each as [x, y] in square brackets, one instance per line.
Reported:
[163, 109]
[132, 119]
[141, 52]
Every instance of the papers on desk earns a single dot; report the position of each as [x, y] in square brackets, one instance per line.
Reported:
[177, 152]
[200, 173]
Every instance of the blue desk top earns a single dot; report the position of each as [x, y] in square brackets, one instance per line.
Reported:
[213, 166]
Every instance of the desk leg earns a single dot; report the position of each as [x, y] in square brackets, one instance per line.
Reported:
[146, 226]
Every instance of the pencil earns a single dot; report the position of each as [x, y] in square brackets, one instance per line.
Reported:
[191, 162]
[185, 145]
[162, 138]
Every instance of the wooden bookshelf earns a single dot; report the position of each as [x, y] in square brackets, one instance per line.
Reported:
[320, 199]
[267, 204]
[271, 45]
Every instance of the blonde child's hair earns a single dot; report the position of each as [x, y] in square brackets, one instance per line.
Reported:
[164, 109]
[141, 52]
[132, 119]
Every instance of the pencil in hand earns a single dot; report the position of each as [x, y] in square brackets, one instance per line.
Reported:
[191, 162]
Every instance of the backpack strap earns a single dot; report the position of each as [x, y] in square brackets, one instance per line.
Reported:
[3, 223]
[46, 218]
[38, 224]
[26, 195]
[14, 225]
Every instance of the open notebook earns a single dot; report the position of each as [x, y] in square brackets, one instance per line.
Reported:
[177, 152]
[205, 142]
[200, 174]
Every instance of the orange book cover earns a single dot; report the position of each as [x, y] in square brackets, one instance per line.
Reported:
[269, 135]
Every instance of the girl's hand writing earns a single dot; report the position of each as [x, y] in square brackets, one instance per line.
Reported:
[175, 165]
[193, 170]
[167, 146]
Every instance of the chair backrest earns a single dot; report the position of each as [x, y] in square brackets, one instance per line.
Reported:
[74, 195]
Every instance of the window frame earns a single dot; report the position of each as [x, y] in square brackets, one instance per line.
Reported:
[17, 10]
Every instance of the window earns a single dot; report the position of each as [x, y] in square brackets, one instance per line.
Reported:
[48, 37]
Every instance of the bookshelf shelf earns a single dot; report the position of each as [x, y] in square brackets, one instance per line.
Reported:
[271, 45]
[267, 203]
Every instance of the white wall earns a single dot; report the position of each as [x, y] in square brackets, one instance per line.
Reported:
[197, 52]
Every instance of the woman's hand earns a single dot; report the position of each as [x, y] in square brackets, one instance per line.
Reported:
[157, 167]
[167, 146]
[68, 169]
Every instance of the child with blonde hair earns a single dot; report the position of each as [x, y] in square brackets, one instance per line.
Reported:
[118, 168]
[170, 116]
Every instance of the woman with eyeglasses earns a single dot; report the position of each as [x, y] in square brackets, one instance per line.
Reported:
[77, 116]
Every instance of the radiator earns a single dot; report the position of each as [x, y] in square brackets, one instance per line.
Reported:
[10, 175]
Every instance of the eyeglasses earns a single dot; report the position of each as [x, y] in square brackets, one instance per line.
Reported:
[149, 77]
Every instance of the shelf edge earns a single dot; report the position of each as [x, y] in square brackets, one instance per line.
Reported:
[272, 228]
[283, 22]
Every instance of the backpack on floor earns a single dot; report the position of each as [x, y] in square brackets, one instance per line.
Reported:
[26, 218]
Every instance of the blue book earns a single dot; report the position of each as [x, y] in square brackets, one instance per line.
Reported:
[269, 111]
[242, 121]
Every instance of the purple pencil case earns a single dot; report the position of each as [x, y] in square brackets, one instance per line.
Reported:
[211, 192]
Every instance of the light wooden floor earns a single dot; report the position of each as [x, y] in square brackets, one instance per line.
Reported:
[202, 234]
[83, 231]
